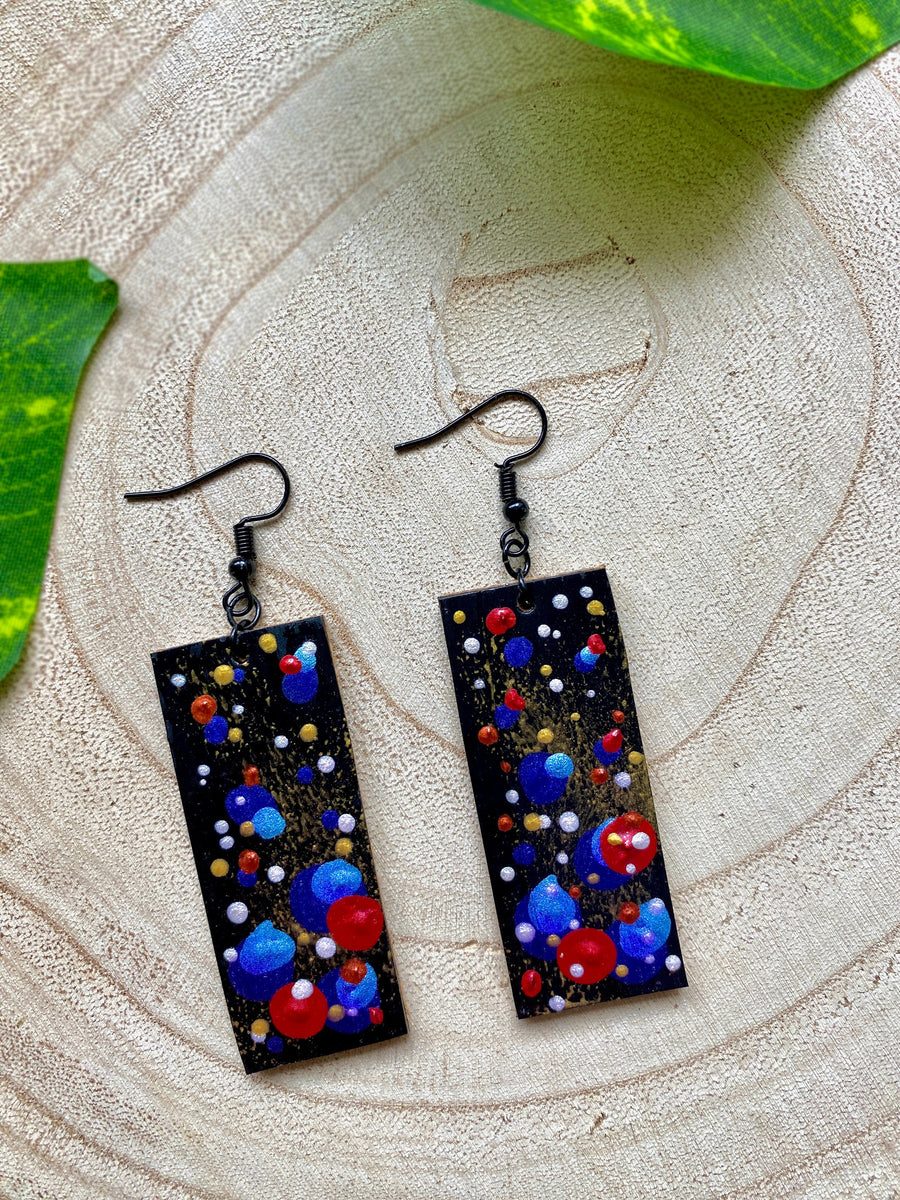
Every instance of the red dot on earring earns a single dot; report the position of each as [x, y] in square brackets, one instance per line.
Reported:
[575, 891]
[500, 620]
[596, 644]
[513, 700]
[376, 1016]
[612, 741]
[628, 912]
[618, 716]
[505, 823]
[290, 665]
[532, 983]
[599, 775]
[248, 861]
[505, 767]
[251, 776]
[488, 735]
[353, 971]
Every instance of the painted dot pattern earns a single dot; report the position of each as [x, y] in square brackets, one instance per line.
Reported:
[264, 765]
[563, 794]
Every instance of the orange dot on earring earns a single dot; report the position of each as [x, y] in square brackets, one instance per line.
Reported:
[505, 823]
[632, 820]
[618, 716]
[505, 767]
[248, 861]
[203, 709]
[628, 912]
[488, 735]
[251, 776]
[353, 971]
[599, 775]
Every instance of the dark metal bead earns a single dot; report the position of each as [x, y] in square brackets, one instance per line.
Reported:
[241, 568]
[516, 510]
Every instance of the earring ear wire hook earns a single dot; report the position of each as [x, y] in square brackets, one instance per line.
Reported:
[220, 470]
[513, 541]
[506, 394]
[242, 607]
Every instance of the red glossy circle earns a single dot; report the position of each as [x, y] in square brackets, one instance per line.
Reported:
[532, 983]
[596, 644]
[612, 741]
[592, 948]
[618, 856]
[248, 861]
[290, 665]
[505, 823]
[628, 912]
[618, 716]
[575, 891]
[500, 620]
[355, 922]
[251, 776]
[599, 775]
[506, 767]
[488, 735]
[298, 1018]
[376, 1016]
[513, 700]
[203, 709]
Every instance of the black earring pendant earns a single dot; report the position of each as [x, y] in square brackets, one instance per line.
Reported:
[559, 774]
[265, 768]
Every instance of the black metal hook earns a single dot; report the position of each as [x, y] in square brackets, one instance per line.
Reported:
[242, 607]
[513, 541]
[506, 394]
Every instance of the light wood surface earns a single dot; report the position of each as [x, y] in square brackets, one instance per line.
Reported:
[333, 226]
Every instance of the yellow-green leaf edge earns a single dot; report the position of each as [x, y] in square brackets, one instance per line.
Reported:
[788, 43]
[51, 315]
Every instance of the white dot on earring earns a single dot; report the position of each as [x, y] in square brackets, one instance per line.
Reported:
[276, 874]
[346, 823]
[237, 912]
[221, 826]
[326, 948]
[281, 742]
[226, 842]
[507, 874]
[586, 593]
[543, 630]
[471, 645]
[560, 601]
[302, 989]
[673, 962]
[230, 955]
[557, 1004]
[512, 796]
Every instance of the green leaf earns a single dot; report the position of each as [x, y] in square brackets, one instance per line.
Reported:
[791, 43]
[51, 314]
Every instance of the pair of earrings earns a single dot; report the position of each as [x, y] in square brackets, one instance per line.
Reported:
[265, 768]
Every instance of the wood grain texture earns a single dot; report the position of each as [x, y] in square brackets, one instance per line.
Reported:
[333, 225]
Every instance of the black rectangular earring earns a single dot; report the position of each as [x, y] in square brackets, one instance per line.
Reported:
[265, 768]
[559, 775]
